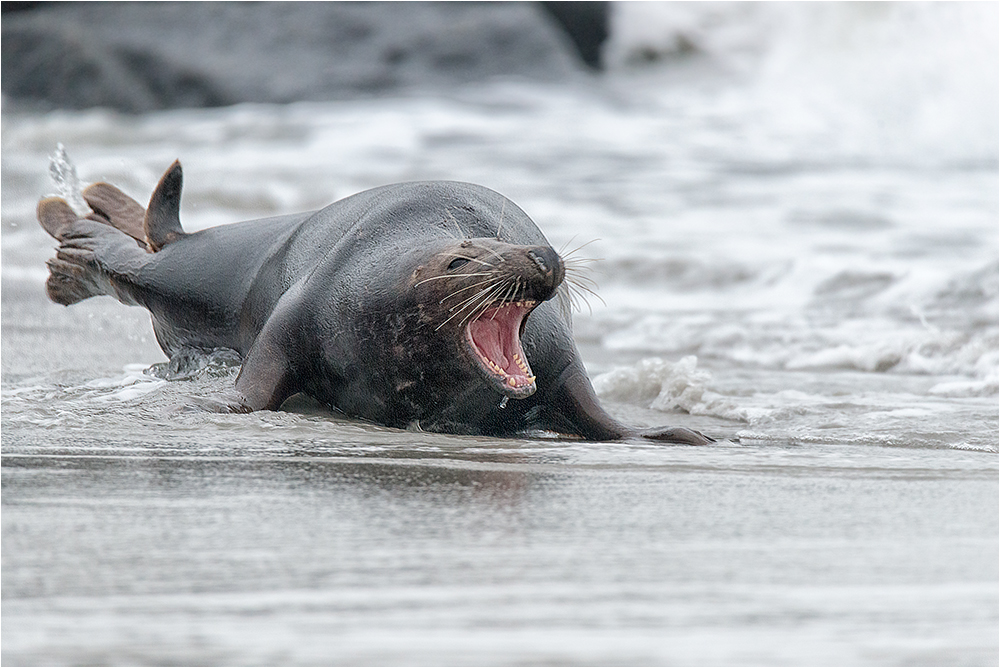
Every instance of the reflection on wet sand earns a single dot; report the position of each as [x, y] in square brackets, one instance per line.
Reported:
[401, 555]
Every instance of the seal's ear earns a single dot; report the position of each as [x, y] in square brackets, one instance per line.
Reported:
[162, 223]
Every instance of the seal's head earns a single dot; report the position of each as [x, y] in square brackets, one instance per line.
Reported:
[479, 292]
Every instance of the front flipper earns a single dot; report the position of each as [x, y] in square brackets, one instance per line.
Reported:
[268, 376]
[573, 407]
[680, 435]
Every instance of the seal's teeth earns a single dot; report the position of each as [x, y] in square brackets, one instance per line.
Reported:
[520, 363]
[531, 379]
[512, 382]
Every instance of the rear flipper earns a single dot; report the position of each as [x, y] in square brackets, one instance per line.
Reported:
[80, 268]
[73, 272]
[153, 227]
[121, 211]
[99, 253]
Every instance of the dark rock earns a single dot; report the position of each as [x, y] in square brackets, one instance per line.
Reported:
[137, 56]
[586, 23]
[8, 7]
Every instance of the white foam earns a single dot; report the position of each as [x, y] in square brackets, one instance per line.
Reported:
[914, 81]
[132, 374]
[665, 386]
[965, 388]
[866, 358]
[132, 384]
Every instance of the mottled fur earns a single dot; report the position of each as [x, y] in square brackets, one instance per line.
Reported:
[365, 304]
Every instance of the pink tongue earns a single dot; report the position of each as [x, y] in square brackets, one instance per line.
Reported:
[495, 334]
[487, 335]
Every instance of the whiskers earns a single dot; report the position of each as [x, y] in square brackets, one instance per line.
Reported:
[488, 282]
[503, 206]
[580, 286]
[497, 289]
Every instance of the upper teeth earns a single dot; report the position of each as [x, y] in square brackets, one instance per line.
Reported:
[520, 363]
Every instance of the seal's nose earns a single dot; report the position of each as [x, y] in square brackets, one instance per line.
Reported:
[549, 264]
[550, 271]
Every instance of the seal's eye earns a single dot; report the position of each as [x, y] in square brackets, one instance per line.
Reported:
[457, 262]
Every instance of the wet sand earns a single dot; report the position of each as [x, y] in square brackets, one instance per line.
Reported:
[443, 550]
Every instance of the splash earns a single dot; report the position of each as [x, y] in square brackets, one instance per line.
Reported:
[62, 172]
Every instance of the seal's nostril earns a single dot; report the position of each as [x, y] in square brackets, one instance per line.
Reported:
[537, 259]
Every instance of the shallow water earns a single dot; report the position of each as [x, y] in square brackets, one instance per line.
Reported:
[792, 259]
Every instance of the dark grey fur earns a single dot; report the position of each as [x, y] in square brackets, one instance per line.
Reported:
[325, 303]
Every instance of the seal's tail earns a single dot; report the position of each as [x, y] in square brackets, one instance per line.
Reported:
[112, 231]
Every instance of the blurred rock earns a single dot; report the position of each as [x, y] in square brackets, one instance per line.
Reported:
[586, 23]
[139, 56]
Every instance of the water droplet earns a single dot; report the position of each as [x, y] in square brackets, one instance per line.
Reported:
[503, 402]
[62, 172]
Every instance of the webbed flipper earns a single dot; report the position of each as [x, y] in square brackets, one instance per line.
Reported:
[162, 221]
[56, 216]
[679, 435]
[575, 405]
[74, 273]
[265, 380]
[120, 210]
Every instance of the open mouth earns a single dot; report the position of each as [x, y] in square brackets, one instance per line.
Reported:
[495, 339]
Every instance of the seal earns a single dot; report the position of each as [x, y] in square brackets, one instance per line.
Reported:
[438, 305]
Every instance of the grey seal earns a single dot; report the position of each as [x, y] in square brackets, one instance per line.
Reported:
[435, 304]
